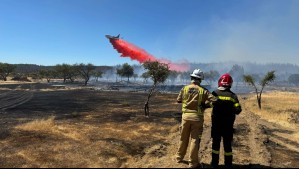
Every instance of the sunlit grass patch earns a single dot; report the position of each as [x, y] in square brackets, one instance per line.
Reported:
[41, 125]
[277, 107]
[125, 103]
[50, 128]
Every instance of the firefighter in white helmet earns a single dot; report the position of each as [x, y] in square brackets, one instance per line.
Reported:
[194, 99]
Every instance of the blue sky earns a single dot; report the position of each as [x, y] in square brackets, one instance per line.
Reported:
[50, 32]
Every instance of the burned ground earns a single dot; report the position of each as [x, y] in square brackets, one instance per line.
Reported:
[81, 127]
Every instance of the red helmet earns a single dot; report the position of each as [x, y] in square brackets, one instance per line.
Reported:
[225, 81]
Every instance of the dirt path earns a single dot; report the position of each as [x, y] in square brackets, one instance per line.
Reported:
[252, 147]
[15, 97]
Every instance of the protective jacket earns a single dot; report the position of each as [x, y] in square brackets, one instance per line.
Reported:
[224, 111]
[194, 99]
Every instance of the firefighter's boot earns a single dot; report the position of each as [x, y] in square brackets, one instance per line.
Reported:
[228, 161]
[215, 160]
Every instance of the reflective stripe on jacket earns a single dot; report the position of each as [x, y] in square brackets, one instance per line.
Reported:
[227, 104]
[235, 101]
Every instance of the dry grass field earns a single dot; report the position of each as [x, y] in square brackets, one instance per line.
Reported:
[78, 127]
[278, 107]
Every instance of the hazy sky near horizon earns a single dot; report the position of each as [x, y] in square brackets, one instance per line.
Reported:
[50, 32]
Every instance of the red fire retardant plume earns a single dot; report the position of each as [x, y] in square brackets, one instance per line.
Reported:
[127, 49]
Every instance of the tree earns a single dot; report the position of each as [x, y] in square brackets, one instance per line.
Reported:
[211, 76]
[117, 70]
[5, 70]
[126, 71]
[145, 76]
[98, 74]
[85, 70]
[270, 76]
[135, 76]
[185, 76]
[108, 73]
[158, 72]
[237, 73]
[172, 76]
[47, 73]
[66, 71]
[294, 79]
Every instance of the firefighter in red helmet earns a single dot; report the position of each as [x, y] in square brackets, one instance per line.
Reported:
[223, 117]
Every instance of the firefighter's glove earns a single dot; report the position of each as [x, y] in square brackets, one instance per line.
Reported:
[202, 106]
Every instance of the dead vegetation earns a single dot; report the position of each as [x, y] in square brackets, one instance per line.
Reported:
[278, 107]
[100, 129]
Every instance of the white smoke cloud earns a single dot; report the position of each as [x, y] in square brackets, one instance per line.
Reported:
[270, 37]
[266, 39]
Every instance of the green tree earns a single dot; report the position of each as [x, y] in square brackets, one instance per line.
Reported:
[85, 70]
[158, 72]
[66, 71]
[98, 74]
[145, 76]
[269, 77]
[5, 70]
[47, 74]
[126, 71]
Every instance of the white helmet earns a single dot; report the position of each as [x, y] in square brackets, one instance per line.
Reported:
[197, 73]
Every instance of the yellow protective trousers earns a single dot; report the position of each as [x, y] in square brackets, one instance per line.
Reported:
[190, 130]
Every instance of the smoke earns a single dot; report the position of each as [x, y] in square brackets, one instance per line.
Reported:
[127, 49]
[270, 37]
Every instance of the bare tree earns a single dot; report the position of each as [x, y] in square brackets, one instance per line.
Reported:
[158, 72]
[270, 76]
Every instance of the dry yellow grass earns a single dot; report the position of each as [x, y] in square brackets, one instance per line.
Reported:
[277, 107]
[41, 125]
[48, 126]
[109, 138]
